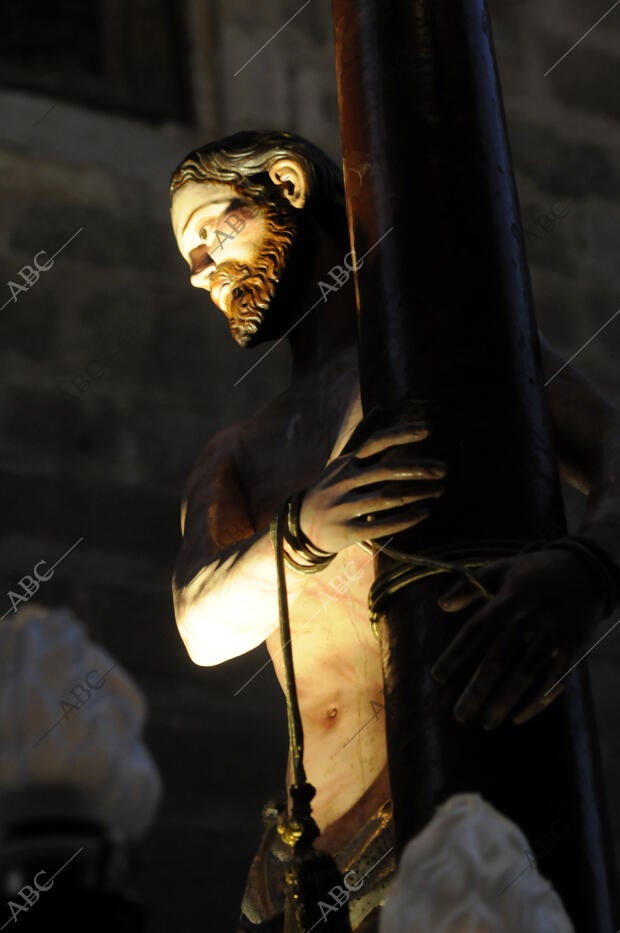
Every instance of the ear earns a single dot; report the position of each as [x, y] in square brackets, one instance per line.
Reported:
[291, 179]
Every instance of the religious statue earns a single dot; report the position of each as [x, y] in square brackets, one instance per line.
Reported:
[259, 218]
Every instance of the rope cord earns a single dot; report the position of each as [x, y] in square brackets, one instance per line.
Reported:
[460, 559]
[295, 729]
[312, 875]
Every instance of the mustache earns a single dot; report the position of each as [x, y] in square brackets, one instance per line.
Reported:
[229, 273]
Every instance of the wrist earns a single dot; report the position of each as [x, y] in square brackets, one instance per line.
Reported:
[298, 535]
[299, 553]
[603, 570]
[604, 567]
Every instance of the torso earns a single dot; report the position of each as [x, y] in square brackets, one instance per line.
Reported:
[336, 655]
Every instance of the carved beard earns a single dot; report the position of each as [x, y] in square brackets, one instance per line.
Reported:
[255, 309]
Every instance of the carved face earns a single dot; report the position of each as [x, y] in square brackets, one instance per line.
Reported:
[238, 250]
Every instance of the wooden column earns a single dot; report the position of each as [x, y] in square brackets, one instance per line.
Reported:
[445, 318]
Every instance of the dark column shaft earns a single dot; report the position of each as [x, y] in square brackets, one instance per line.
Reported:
[446, 319]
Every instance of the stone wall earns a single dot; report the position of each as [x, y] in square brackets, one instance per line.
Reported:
[115, 373]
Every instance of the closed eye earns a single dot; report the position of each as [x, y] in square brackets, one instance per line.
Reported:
[233, 205]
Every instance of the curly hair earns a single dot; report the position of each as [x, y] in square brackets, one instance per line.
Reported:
[243, 160]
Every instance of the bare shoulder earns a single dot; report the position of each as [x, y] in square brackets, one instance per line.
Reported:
[214, 502]
[217, 453]
[583, 414]
[228, 472]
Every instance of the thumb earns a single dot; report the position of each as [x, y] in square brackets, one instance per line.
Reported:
[458, 596]
[464, 592]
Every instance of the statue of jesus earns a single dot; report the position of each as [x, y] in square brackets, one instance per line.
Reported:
[259, 218]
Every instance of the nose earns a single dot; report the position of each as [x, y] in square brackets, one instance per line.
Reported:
[202, 266]
[201, 277]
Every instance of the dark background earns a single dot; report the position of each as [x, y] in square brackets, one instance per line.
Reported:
[98, 103]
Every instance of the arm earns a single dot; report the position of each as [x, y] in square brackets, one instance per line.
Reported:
[586, 427]
[224, 583]
[522, 644]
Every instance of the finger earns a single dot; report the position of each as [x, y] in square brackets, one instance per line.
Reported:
[382, 527]
[353, 472]
[554, 683]
[359, 475]
[393, 436]
[497, 662]
[478, 630]
[532, 665]
[459, 596]
[465, 592]
[387, 497]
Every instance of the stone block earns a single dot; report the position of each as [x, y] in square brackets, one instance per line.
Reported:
[105, 240]
[582, 80]
[562, 167]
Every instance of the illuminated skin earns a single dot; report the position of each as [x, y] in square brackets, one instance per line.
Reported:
[225, 587]
[208, 223]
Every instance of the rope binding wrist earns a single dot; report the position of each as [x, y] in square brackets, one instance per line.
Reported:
[604, 569]
[300, 554]
[470, 556]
